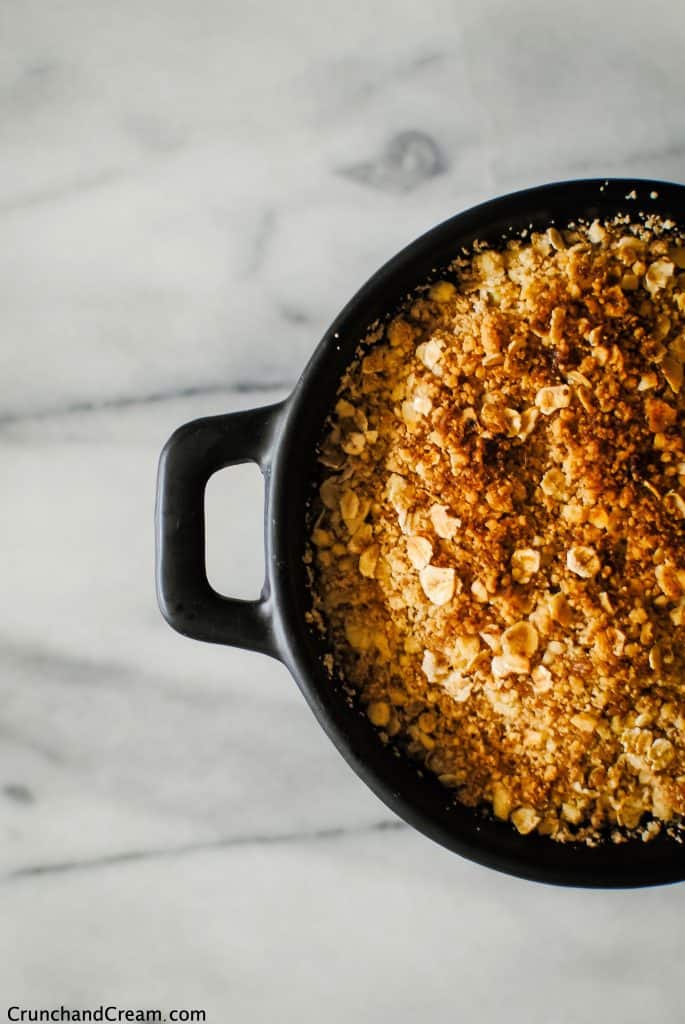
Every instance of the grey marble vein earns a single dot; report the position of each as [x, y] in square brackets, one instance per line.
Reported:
[19, 792]
[406, 161]
[124, 402]
[37, 84]
[22, 201]
[263, 233]
[15, 737]
[226, 843]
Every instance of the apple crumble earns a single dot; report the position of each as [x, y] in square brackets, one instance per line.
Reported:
[497, 546]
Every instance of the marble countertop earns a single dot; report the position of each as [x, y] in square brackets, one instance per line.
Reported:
[188, 195]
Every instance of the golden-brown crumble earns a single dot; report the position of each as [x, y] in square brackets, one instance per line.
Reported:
[497, 547]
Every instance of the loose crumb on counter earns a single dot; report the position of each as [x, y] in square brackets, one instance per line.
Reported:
[496, 552]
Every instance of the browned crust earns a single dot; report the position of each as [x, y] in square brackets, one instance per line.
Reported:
[497, 556]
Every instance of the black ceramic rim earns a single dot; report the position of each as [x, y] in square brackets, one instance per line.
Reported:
[282, 439]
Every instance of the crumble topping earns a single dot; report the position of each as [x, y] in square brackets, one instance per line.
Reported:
[497, 547]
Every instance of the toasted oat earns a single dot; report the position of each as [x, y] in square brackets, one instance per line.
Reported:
[444, 524]
[525, 562]
[525, 819]
[420, 551]
[520, 639]
[368, 561]
[658, 275]
[583, 561]
[553, 484]
[501, 801]
[438, 584]
[672, 369]
[549, 399]
[497, 552]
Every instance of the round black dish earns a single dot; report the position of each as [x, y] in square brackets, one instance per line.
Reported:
[282, 439]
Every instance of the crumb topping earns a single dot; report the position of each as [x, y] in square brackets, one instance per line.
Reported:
[497, 546]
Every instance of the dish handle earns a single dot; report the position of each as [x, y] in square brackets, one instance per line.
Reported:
[190, 457]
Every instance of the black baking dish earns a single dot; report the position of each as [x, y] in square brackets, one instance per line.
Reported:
[282, 439]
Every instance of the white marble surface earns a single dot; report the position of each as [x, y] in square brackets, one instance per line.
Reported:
[188, 194]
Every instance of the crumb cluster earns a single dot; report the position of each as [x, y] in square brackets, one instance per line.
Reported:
[497, 548]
